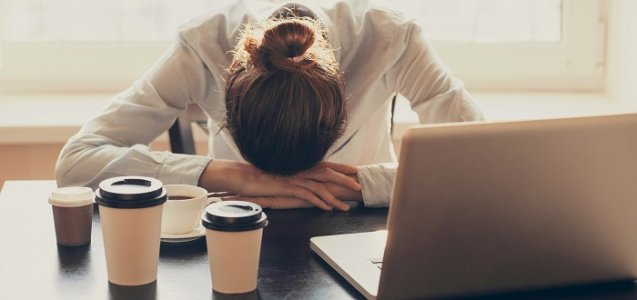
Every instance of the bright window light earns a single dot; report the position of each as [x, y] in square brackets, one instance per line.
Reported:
[485, 20]
[143, 20]
[492, 45]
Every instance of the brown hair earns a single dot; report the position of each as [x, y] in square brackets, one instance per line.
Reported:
[284, 95]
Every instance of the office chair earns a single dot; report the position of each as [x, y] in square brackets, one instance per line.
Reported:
[180, 133]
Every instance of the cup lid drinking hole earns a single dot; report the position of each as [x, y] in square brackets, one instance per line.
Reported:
[234, 216]
[131, 192]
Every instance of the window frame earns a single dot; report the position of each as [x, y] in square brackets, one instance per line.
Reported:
[576, 63]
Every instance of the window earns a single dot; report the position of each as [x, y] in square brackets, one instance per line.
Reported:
[102, 45]
[535, 57]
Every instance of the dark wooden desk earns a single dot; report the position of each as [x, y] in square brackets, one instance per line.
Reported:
[32, 266]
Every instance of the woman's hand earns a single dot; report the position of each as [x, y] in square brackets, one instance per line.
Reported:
[345, 194]
[316, 186]
[338, 191]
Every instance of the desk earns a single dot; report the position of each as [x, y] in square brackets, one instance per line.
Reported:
[32, 266]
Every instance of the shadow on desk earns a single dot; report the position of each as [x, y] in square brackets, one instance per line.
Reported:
[254, 295]
[176, 251]
[75, 258]
[149, 292]
[617, 290]
[144, 292]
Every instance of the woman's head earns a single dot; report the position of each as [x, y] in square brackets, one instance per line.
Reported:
[284, 96]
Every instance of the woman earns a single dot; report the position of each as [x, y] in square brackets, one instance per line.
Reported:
[285, 91]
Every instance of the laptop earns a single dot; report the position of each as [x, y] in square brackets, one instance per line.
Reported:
[482, 208]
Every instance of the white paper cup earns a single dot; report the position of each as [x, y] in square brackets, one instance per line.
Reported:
[131, 244]
[130, 213]
[233, 236]
[182, 216]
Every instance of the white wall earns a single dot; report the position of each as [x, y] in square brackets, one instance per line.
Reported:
[621, 79]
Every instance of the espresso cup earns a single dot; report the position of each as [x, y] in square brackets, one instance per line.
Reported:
[72, 215]
[130, 210]
[233, 237]
[183, 209]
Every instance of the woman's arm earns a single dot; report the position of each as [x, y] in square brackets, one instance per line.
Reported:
[419, 75]
[435, 95]
[325, 186]
[115, 142]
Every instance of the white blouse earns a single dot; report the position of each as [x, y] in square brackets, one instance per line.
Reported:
[380, 54]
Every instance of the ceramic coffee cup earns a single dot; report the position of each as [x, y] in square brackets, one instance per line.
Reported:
[72, 215]
[182, 211]
[130, 210]
[233, 236]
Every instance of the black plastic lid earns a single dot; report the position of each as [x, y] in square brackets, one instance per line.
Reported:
[130, 192]
[234, 216]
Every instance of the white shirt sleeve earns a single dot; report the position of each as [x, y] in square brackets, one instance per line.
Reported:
[435, 95]
[419, 75]
[377, 182]
[115, 142]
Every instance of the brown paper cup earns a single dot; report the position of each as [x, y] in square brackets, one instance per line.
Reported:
[72, 215]
[73, 225]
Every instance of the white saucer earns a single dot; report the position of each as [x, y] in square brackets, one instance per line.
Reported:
[184, 237]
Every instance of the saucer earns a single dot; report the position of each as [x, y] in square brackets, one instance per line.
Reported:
[196, 233]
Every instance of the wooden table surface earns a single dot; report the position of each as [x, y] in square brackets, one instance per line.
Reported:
[32, 266]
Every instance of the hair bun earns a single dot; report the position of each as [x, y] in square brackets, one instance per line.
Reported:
[283, 46]
[289, 45]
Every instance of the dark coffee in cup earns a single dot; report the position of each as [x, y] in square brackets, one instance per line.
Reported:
[179, 197]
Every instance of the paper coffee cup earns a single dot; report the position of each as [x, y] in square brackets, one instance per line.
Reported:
[233, 236]
[130, 209]
[73, 215]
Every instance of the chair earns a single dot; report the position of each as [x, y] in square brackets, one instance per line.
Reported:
[180, 133]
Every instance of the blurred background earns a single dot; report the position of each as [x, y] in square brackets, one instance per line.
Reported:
[62, 60]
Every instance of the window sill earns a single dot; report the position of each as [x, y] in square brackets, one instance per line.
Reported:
[506, 106]
[44, 119]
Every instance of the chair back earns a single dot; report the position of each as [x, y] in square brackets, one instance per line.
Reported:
[180, 133]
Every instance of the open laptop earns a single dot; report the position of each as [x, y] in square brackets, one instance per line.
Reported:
[486, 208]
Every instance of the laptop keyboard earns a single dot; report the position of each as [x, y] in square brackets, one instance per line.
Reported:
[378, 262]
